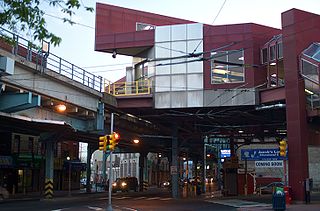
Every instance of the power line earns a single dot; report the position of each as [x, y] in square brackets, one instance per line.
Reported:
[72, 22]
[212, 23]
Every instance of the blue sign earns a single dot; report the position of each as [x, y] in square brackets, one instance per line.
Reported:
[224, 153]
[260, 154]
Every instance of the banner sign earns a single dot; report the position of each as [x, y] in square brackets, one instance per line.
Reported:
[260, 154]
[269, 164]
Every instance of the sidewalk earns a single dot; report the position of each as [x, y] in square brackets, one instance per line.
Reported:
[263, 202]
[36, 196]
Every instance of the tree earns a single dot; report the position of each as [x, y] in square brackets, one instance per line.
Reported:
[28, 15]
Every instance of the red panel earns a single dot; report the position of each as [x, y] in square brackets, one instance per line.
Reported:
[272, 95]
[299, 30]
[122, 23]
[247, 36]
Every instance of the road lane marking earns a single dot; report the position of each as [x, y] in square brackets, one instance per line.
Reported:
[154, 198]
[138, 198]
[123, 197]
[165, 199]
[125, 208]
[94, 208]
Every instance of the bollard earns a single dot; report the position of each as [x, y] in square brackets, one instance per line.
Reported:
[279, 200]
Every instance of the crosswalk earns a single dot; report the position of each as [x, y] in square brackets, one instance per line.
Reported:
[138, 198]
[239, 203]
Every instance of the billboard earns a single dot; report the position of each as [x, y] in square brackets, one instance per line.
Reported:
[260, 154]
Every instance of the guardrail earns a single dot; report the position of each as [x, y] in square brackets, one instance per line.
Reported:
[22, 47]
[140, 87]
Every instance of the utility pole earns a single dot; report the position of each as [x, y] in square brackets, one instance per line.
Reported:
[109, 207]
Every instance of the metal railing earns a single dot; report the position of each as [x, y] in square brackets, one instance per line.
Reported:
[139, 87]
[22, 47]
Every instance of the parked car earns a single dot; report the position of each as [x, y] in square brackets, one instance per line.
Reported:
[125, 184]
[268, 189]
[4, 194]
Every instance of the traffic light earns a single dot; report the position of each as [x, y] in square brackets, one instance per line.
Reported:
[283, 148]
[114, 140]
[103, 143]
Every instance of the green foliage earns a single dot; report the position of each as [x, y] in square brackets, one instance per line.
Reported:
[27, 15]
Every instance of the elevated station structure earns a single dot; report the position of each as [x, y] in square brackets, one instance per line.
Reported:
[244, 83]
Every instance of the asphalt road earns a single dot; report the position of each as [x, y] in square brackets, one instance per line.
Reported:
[120, 201]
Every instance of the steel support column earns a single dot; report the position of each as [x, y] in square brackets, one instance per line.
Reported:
[88, 172]
[174, 164]
[48, 187]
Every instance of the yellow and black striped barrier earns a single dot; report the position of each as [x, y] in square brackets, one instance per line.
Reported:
[48, 189]
[145, 185]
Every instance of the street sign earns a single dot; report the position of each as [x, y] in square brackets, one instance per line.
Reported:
[269, 164]
[260, 154]
[173, 170]
[224, 153]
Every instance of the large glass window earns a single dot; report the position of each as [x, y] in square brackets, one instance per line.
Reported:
[310, 70]
[264, 55]
[227, 67]
[280, 50]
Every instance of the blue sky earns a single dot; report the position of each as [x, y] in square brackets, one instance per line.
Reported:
[77, 44]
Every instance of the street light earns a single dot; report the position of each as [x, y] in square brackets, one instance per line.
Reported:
[136, 141]
[69, 189]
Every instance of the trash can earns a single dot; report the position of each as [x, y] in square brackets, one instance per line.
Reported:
[279, 200]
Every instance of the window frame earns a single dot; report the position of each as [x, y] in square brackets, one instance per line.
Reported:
[227, 67]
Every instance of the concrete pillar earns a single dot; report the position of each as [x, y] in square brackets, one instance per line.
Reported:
[297, 39]
[141, 169]
[174, 164]
[89, 154]
[48, 187]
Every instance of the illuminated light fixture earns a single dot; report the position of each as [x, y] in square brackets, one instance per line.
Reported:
[273, 85]
[159, 155]
[273, 63]
[219, 66]
[241, 58]
[208, 155]
[184, 159]
[240, 131]
[308, 91]
[274, 75]
[61, 107]
[136, 141]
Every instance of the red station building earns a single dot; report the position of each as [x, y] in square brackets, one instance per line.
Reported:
[243, 65]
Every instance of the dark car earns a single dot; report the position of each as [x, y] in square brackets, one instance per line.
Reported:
[125, 184]
[270, 187]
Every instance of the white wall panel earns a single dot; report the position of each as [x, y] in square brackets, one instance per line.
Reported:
[178, 99]
[162, 84]
[162, 50]
[179, 32]
[178, 82]
[162, 100]
[195, 98]
[194, 31]
[163, 34]
[195, 81]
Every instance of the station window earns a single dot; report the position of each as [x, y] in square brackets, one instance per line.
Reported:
[227, 66]
[272, 53]
[144, 26]
[310, 70]
[264, 55]
[280, 50]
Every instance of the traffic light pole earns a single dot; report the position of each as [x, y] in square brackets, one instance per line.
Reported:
[109, 207]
